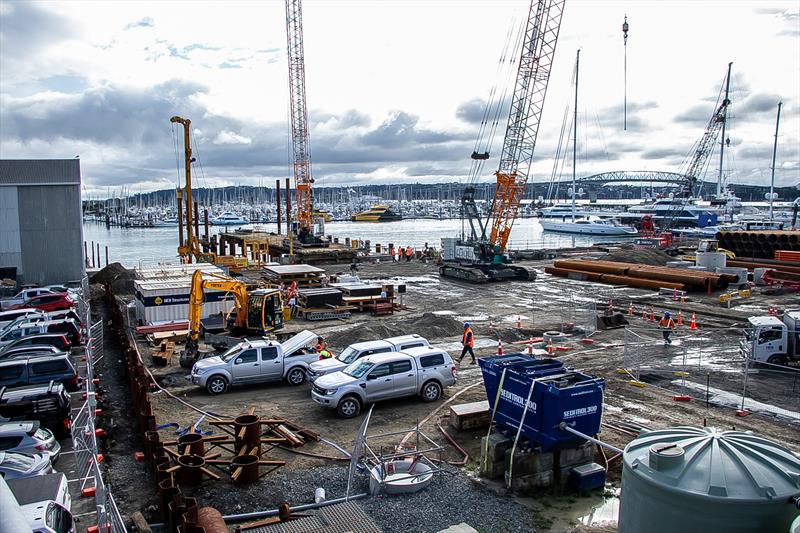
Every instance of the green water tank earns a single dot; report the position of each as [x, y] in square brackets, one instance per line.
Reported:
[688, 479]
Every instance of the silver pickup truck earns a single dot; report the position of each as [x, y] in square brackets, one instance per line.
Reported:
[362, 349]
[420, 371]
[257, 361]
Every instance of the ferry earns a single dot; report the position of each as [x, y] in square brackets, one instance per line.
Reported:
[320, 213]
[377, 213]
[229, 219]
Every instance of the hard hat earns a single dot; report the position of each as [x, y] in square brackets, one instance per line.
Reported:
[466, 324]
[666, 314]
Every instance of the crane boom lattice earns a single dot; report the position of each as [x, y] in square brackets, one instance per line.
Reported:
[301, 146]
[527, 103]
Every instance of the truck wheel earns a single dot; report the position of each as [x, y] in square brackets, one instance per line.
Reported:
[348, 407]
[777, 360]
[296, 376]
[431, 391]
[216, 385]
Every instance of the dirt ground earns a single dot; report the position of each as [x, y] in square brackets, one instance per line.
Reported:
[512, 312]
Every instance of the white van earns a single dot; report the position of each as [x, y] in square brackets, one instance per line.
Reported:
[45, 502]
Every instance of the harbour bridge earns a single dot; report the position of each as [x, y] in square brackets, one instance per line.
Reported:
[633, 176]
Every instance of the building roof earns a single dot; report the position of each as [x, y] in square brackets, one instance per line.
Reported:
[40, 172]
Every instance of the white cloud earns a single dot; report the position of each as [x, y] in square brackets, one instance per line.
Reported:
[229, 137]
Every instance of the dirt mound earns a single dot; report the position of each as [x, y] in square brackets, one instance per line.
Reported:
[116, 275]
[428, 325]
[644, 256]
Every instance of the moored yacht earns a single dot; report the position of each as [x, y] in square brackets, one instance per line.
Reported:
[229, 219]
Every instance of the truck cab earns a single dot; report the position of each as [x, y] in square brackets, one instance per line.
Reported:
[768, 339]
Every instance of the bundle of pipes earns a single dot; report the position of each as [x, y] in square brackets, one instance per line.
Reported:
[760, 244]
[750, 264]
[644, 276]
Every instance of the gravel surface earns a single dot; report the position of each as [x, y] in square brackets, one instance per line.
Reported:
[452, 498]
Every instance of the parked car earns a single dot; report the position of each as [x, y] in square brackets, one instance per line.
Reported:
[256, 361]
[19, 465]
[417, 371]
[362, 349]
[48, 302]
[7, 317]
[28, 437]
[57, 340]
[39, 369]
[45, 502]
[23, 296]
[67, 327]
[30, 351]
[66, 313]
[47, 404]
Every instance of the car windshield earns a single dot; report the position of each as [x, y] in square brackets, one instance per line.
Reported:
[358, 369]
[18, 461]
[232, 353]
[348, 355]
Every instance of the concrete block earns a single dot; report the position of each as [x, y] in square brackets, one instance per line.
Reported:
[529, 462]
[530, 483]
[470, 415]
[496, 446]
[493, 470]
[576, 456]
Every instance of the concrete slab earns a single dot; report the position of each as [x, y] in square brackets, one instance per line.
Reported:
[471, 415]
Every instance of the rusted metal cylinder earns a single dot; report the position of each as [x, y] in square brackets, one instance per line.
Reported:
[763, 263]
[573, 274]
[167, 490]
[192, 441]
[211, 520]
[698, 282]
[245, 469]
[150, 438]
[247, 429]
[640, 282]
[191, 469]
[602, 267]
[161, 467]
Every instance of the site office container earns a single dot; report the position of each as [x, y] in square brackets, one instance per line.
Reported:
[559, 395]
[164, 301]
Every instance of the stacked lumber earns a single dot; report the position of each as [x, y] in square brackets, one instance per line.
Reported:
[163, 356]
[319, 298]
[306, 276]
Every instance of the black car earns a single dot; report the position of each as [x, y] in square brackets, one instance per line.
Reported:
[59, 340]
[30, 351]
[37, 370]
[48, 403]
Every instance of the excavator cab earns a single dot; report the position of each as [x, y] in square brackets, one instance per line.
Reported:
[264, 310]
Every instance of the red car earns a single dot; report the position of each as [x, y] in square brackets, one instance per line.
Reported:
[48, 302]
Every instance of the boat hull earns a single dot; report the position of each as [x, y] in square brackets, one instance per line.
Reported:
[587, 229]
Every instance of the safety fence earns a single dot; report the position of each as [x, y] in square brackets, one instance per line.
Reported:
[578, 316]
[85, 431]
[709, 366]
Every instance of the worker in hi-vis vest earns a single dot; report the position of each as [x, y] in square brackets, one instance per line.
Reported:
[468, 341]
[666, 324]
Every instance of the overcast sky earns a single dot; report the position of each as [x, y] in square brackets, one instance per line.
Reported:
[395, 88]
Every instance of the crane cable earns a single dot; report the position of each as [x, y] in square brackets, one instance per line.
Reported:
[559, 160]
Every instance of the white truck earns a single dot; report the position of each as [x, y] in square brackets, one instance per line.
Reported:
[770, 339]
[257, 361]
[362, 349]
[422, 371]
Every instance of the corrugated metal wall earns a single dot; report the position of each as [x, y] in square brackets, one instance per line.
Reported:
[10, 246]
[50, 233]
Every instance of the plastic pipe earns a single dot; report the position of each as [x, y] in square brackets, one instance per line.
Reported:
[274, 512]
[565, 427]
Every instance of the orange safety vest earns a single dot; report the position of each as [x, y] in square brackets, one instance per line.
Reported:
[469, 338]
[667, 323]
[408, 252]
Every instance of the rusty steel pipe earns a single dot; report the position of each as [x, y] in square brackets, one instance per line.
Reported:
[579, 275]
[698, 282]
[211, 520]
[603, 267]
[641, 283]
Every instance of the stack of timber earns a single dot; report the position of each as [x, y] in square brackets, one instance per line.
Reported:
[759, 244]
[641, 276]
[306, 276]
[377, 299]
[324, 303]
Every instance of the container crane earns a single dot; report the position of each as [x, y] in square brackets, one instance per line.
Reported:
[301, 146]
[480, 258]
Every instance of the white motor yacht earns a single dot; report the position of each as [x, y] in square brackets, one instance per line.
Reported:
[589, 226]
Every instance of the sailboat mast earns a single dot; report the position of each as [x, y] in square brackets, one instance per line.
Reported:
[774, 153]
[722, 138]
[575, 134]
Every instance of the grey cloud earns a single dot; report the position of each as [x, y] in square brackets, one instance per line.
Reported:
[697, 114]
[662, 153]
[351, 118]
[759, 103]
[471, 111]
[26, 29]
[146, 22]
[400, 130]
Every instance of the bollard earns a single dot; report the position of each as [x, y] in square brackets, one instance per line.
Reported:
[499, 347]
[247, 429]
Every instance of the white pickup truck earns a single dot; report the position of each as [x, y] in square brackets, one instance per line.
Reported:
[423, 372]
[257, 361]
[362, 349]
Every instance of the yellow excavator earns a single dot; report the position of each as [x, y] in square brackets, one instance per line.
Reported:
[258, 312]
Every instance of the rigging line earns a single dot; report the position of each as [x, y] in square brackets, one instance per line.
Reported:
[177, 157]
[199, 161]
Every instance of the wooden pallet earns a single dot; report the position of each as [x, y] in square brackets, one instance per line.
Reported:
[163, 356]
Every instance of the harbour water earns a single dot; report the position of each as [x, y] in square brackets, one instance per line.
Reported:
[135, 246]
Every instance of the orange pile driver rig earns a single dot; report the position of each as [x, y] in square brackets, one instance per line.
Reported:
[477, 257]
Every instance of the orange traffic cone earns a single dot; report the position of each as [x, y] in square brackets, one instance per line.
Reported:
[519, 322]
[693, 323]
[499, 347]
[490, 327]
[683, 300]
[652, 315]
[550, 346]
[680, 318]
[530, 346]
[630, 309]
[610, 307]
[674, 294]
[644, 313]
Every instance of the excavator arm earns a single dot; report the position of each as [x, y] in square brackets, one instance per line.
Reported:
[199, 285]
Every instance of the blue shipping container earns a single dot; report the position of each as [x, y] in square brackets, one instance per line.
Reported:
[558, 395]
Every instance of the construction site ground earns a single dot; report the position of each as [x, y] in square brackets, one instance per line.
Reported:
[512, 312]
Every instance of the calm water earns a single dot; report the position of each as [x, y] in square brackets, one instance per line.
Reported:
[134, 246]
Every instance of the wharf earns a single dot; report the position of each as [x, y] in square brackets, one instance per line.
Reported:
[256, 245]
